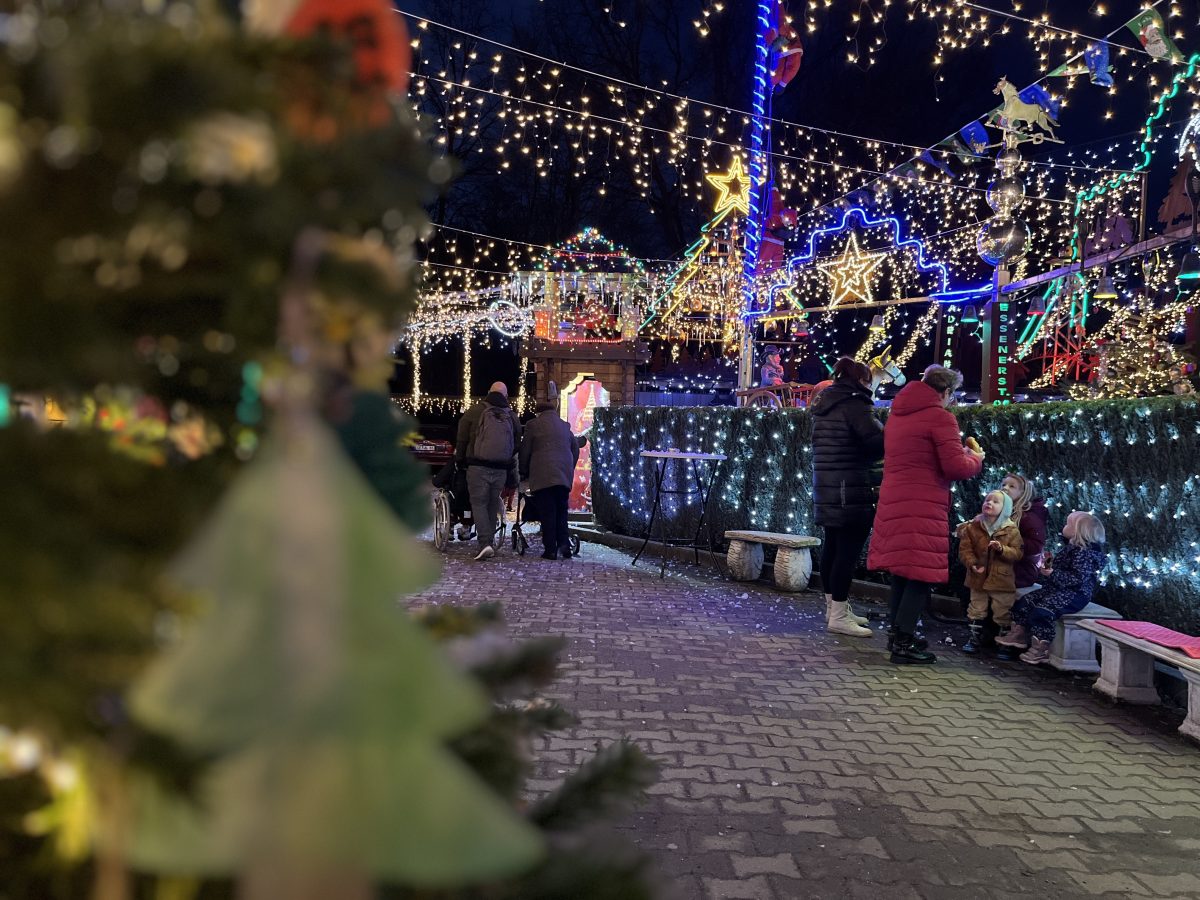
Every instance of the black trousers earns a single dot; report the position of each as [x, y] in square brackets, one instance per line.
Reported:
[909, 599]
[551, 504]
[839, 555]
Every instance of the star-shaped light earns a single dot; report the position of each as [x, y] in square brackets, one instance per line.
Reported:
[734, 186]
[850, 274]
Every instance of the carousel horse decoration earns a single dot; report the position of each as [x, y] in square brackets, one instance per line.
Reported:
[1015, 110]
[885, 370]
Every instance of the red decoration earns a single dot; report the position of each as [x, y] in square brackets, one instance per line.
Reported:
[786, 50]
[382, 54]
[779, 222]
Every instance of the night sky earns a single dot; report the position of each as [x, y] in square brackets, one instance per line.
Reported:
[901, 97]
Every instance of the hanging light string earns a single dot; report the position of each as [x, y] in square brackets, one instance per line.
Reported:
[1072, 59]
[613, 79]
[1047, 26]
[549, 248]
[708, 141]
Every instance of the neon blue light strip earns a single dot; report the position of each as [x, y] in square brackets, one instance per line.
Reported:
[845, 222]
[758, 160]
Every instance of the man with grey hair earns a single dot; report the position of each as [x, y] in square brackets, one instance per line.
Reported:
[488, 436]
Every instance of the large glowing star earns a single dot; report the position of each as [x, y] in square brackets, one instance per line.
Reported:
[850, 274]
[734, 186]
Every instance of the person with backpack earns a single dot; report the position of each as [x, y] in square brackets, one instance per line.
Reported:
[488, 435]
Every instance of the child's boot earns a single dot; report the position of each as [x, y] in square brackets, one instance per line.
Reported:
[840, 622]
[1038, 652]
[1016, 636]
[975, 641]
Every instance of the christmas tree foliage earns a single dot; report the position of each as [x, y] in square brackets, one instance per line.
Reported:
[328, 709]
[212, 244]
[1143, 367]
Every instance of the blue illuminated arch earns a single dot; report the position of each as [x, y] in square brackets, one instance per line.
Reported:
[924, 264]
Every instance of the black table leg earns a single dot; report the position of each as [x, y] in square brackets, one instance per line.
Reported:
[705, 491]
[658, 480]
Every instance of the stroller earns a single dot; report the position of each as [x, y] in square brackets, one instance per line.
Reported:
[527, 514]
[452, 507]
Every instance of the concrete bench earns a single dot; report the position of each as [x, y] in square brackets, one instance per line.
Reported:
[1127, 671]
[1074, 649]
[793, 562]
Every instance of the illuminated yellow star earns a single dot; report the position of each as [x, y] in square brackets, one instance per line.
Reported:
[850, 274]
[734, 186]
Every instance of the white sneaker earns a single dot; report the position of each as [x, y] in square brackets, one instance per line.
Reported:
[840, 622]
[486, 553]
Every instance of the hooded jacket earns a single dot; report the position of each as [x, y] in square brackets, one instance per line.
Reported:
[847, 444]
[468, 425]
[974, 549]
[1033, 535]
[922, 455]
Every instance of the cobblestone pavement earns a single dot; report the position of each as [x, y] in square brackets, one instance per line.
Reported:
[800, 764]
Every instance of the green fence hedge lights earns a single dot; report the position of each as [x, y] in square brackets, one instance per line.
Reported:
[1132, 462]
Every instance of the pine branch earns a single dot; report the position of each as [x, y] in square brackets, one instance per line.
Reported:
[519, 667]
[617, 773]
[445, 621]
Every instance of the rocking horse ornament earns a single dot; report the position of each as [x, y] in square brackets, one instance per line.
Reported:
[1017, 112]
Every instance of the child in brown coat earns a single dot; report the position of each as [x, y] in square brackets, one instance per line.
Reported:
[989, 545]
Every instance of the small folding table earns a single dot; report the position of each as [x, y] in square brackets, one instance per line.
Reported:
[691, 467]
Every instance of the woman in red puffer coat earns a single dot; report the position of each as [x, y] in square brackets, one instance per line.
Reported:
[922, 455]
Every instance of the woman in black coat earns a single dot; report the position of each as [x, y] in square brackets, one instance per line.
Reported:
[847, 442]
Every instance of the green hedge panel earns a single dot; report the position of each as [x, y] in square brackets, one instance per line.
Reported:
[1136, 463]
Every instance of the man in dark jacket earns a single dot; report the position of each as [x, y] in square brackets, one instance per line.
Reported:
[490, 469]
[847, 442]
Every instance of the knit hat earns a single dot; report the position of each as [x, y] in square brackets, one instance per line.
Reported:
[551, 401]
[1005, 517]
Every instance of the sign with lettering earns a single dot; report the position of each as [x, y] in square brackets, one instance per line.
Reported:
[997, 352]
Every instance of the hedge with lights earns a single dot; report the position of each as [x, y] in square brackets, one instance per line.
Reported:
[1133, 462]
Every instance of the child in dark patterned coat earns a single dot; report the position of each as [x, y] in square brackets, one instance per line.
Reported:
[1068, 583]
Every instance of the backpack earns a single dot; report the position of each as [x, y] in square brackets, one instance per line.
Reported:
[494, 436]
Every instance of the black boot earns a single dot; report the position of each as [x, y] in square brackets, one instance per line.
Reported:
[975, 642]
[906, 652]
[917, 641]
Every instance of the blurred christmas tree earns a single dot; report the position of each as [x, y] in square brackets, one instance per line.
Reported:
[173, 175]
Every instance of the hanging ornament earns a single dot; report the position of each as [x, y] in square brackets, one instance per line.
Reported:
[1005, 194]
[1002, 240]
[1009, 162]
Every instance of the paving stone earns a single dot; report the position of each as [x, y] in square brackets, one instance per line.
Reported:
[796, 764]
[755, 888]
[780, 864]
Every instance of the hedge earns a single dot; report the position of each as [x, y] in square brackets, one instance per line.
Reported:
[1136, 463]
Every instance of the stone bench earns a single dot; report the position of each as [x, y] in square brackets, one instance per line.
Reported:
[1127, 671]
[1074, 648]
[793, 562]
